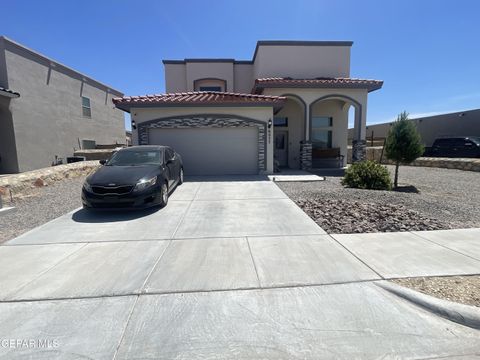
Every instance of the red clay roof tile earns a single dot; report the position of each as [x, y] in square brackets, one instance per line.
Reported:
[320, 82]
[201, 98]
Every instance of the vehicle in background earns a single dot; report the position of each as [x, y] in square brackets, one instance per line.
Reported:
[134, 177]
[455, 147]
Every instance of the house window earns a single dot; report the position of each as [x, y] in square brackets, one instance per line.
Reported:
[210, 84]
[210, 88]
[86, 109]
[280, 121]
[322, 132]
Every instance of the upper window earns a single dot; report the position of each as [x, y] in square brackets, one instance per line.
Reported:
[210, 84]
[210, 88]
[86, 109]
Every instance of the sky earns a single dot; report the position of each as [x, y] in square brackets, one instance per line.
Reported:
[426, 52]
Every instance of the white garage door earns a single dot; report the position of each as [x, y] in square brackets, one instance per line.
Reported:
[212, 151]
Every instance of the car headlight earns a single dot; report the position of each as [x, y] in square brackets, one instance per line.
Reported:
[145, 183]
[87, 186]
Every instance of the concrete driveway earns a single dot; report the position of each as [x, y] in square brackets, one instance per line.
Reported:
[230, 268]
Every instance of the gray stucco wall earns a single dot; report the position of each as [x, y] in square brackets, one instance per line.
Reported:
[8, 152]
[464, 123]
[47, 117]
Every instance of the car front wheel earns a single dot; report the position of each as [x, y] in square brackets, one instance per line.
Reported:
[164, 195]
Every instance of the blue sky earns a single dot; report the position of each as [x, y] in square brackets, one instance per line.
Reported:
[427, 52]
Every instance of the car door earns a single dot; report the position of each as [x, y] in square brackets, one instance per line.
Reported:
[170, 166]
[469, 149]
[458, 148]
[439, 147]
[178, 163]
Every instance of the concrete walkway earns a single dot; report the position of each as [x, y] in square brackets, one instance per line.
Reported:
[228, 269]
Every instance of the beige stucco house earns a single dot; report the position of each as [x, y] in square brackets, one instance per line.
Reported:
[287, 107]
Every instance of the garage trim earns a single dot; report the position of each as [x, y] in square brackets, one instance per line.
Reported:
[207, 121]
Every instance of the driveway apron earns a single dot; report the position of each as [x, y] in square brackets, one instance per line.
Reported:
[231, 267]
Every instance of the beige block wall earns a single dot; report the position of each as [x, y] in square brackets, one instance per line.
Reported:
[302, 62]
[223, 70]
[243, 78]
[263, 114]
[270, 61]
[175, 78]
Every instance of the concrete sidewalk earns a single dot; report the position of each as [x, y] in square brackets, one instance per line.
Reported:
[419, 253]
[227, 269]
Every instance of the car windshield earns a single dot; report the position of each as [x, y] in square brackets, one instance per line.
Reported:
[475, 139]
[139, 157]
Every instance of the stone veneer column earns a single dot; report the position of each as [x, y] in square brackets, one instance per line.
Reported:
[305, 155]
[359, 150]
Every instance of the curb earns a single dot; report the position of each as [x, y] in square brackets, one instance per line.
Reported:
[6, 210]
[462, 314]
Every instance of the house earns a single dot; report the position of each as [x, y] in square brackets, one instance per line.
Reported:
[47, 110]
[456, 124]
[286, 107]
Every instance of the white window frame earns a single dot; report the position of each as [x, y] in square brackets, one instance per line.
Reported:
[86, 108]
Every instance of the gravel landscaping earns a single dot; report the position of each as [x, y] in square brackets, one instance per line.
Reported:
[445, 199]
[462, 289]
[46, 204]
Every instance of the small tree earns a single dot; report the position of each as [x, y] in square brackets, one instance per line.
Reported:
[403, 143]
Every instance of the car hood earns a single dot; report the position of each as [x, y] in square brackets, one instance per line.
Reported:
[122, 175]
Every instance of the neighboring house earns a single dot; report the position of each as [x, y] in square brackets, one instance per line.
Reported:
[461, 123]
[50, 110]
[288, 106]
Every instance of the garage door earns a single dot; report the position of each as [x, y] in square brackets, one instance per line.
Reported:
[212, 151]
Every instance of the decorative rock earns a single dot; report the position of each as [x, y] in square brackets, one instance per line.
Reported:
[23, 184]
[346, 217]
[39, 183]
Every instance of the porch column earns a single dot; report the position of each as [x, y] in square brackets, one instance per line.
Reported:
[359, 143]
[306, 145]
[307, 122]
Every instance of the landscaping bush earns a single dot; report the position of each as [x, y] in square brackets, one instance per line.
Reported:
[367, 175]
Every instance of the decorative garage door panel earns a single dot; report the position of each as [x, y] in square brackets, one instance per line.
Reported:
[212, 151]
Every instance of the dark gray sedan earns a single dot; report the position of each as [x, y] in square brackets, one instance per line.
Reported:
[135, 177]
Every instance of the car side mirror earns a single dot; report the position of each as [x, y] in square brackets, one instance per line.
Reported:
[103, 162]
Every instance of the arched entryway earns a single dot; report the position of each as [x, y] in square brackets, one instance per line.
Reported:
[328, 129]
[289, 131]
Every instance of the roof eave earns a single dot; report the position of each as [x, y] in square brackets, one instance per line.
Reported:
[128, 106]
[258, 88]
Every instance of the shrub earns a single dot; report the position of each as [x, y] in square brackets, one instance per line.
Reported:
[404, 143]
[367, 175]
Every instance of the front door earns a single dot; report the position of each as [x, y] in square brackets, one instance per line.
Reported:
[281, 147]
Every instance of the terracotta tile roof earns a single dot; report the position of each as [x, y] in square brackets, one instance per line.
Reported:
[8, 92]
[200, 98]
[351, 83]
